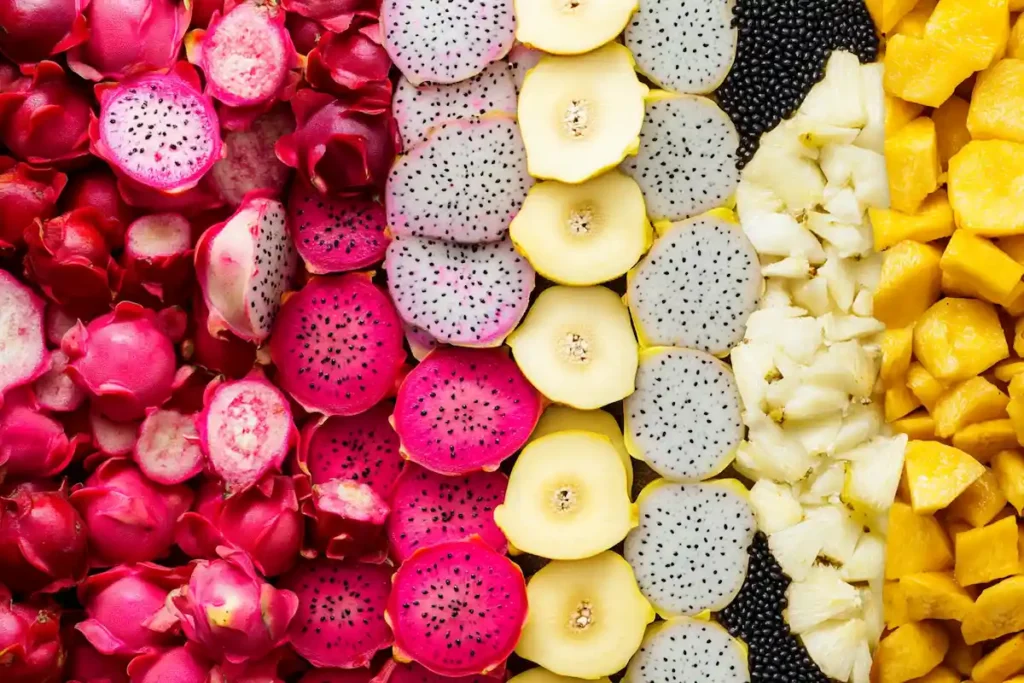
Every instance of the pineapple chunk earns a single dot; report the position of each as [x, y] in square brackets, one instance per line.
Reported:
[957, 339]
[1006, 370]
[982, 265]
[961, 656]
[899, 402]
[937, 474]
[910, 651]
[934, 595]
[913, 23]
[897, 348]
[997, 106]
[894, 605]
[997, 611]
[887, 13]
[922, 71]
[1013, 246]
[984, 184]
[909, 283]
[1016, 406]
[940, 674]
[1015, 48]
[985, 439]
[927, 389]
[917, 543]
[977, 30]
[933, 220]
[951, 128]
[873, 474]
[1001, 663]
[899, 113]
[967, 403]
[980, 503]
[987, 553]
[1008, 467]
[919, 425]
[912, 160]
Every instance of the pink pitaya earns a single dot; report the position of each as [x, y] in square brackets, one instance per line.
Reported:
[30, 645]
[229, 611]
[44, 117]
[158, 258]
[191, 203]
[225, 353]
[85, 664]
[128, 517]
[23, 356]
[112, 438]
[167, 450]
[127, 35]
[97, 188]
[32, 444]
[56, 390]
[338, 676]
[263, 670]
[125, 608]
[250, 164]
[36, 30]
[334, 15]
[157, 130]
[348, 520]
[352, 64]
[105, 359]
[394, 672]
[339, 147]
[43, 542]
[178, 665]
[26, 194]
[305, 32]
[244, 266]
[264, 521]
[246, 430]
[335, 234]
[203, 11]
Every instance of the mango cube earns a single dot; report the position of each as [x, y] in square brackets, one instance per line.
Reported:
[887, 13]
[983, 265]
[897, 348]
[972, 401]
[912, 159]
[984, 184]
[980, 503]
[1015, 409]
[909, 652]
[921, 382]
[923, 71]
[940, 674]
[976, 30]
[957, 339]
[1001, 663]
[985, 439]
[894, 605]
[913, 22]
[999, 610]
[1018, 336]
[1013, 247]
[951, 127]
[919, 425]
[899, 113]
[917, 543]
[937, 474]
[1015, 48]
[1006, 370]
[960, 656]
[934, 595]
[987, 553]
[899, 401]
[909, 283]
[1008, 467]
[997, 106]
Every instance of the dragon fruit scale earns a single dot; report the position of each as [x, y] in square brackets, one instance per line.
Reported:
[30, 645]
[353, 64]
[26, 193]
[36, 30]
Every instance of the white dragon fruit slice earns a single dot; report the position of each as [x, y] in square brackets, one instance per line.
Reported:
[687, 649]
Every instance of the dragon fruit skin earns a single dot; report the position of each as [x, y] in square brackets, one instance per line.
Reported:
[305, 32]
[225, 353]
[35, 30]
[158, 258]
[125, 608]
[353, 64]
[229, 611]
[348, 521]
[87, 665]
[128, 518]
[340, 148]
[44, 117]
[177, 665]
[333, 15]
[25, 357]
[264, 521]
[43, 543]
[32, 444]
[26, 194]
[127, 35]
[105, 360]
[29, 640]
[97, 188]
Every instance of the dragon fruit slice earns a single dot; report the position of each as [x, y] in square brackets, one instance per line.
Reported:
[180, 664]
[167, 450]
[338, 345]
[30, 640]
[158, 257]
[420, 342]
[244, 266]
[250, 163]
[32, 444]
[341, 616]
[361, 448]
[480, 596]
[26, 194]
[34, 31]
[688, 649]
[157, 129]
[464, 184]
[463, 410]
[55, 390]
[23, 354]
[245, 429]
[430, 508]
[245, 54]
[522, 58]
[394, 672]
[418, 109]
[335, 234]
[462, 294]
[434, 42]
[348, 521]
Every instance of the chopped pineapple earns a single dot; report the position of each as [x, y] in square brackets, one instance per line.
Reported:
[917, 543]
[899, 113]
[899, 402]
[894, 605]
[975, 400]
[919, 425]
[997, 106]
[924, 385]
[1016, 406]
[984, 184]
[1013, 246]
[982, 265]
[961, 656]
[940, 674]
[1015, 48]
[986, 439]
[910, 651]
[999, 610]
[909, 283]
[980, 503]
[1001, 663]
[914, 21]
[922, 71]
[912, 159]
[987, 553]
[887, 13]
[897, 349]
[1006, 370]
[977, 30]
[957, 339]
[937, 474]
[1008, 467]
[933, 220]
[951, 128]
[934, 595]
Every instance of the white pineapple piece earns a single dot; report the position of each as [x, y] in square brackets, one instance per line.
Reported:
[841, 279]
[821, 596]
[841, 532]
[834, 645]
[779, 234]
[840, 327]
[824, 484]
[838, 99]
[872, 136]
[765, 323]
[802, 401]
[812, 295]
[817, 133]
[868, 560]
[844, 206]
[873, 477]
[753, 367]
[860, 423]
[797, 547]
[863, 304]
[790, 268]
[816, 436]
[753, 200]
[848, 239]
[772, 451]
[775, 506]
[776, 295]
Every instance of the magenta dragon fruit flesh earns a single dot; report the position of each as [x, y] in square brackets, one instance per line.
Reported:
[463, 410]
[23, 354]
[480, 595]
[411, 672]
[29, 640]
[26, 193]
[348, 521]
[34, 30]
[337, 345]
[340, 622]
[250, 164]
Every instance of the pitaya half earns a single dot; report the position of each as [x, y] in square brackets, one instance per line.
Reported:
[158, 255]
[30, 645]
[335, 234]
[23, 354]
[35, 30]
[167, 450]
[230, 612]
[177, 665]
[348, 521]
[250, 164]
[26, 194]
[97, 187]
[352, 64]
[32, 444]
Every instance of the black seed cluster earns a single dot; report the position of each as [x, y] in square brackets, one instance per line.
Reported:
[755, 617]
[782, 49]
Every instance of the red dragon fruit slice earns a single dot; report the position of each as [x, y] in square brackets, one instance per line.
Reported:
[394, 672]
[336, 234]
[30, 640]
[479, 596]
[244, 266]
[32, 444]
[56, 390]
[462, 294]
[245, 429]
[429, 508]
[418, 109]
[434, 42]
[26, 194]
[34, 31]
[338, 345]
[361, 448]
[158, 256]
[167, 450]
[463, 410]
[157, 129]
[23, 354]
[250, 164]
[348, 521]
[464, 184]
[341, 612]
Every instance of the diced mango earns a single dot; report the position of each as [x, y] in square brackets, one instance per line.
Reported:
[954, 285]
[937, 474]
[919, 425]
[1002, 663]
[951, 127]
[977, 30]
[997, 611]
[909, 652]
[934, 595]
[1013, 247]
[887, 13]
[917, 543]
[1016, 5]
[1018, 336]
[987, 553]
[980, 503]
[957, 339]
[1020, 546]
[909, 283]
[960, 656]
[914, 21]
[922, 71]
[984, 184]
[1005, 370]
[933, 221]
[975, 400]
[985, 439]
[1008, 467]
[894, 605]
[1015, 48]
[899, 113]
[1015, 409]
[927, 389]
[954, 527]
[912, 159]
[940, 674]
[899, 402]
[982, 264]
[897, 348]
[997, 106]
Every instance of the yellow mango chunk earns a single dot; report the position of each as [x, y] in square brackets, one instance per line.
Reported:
[951, 127]
[987, 553]
[933, 221]
[909, 283]
[934, 595]
[985, 439]
[894, 605]
[899, 402]
[957, 339]
[922, 71]
[1013, 247]
[1018, 336]
[939, 674]
[937, 474]
[912, 159]
[961, 657]
[1001, 663]
[997, 611]
[983, 265]
[977, 30]
[997, 106]
[955, 527]
[972, 401]
[887, 13]
[909, 652]
[980, 503]
[1016, 5]
[899, 113]
[984, 184]
[917, 543]
[897, 348]
[1015, 409]
[914, 21]
[921, 382]
[919, 425]
[1020, 546]
[1008, 467]
[1006, 370]
[1015, 48]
